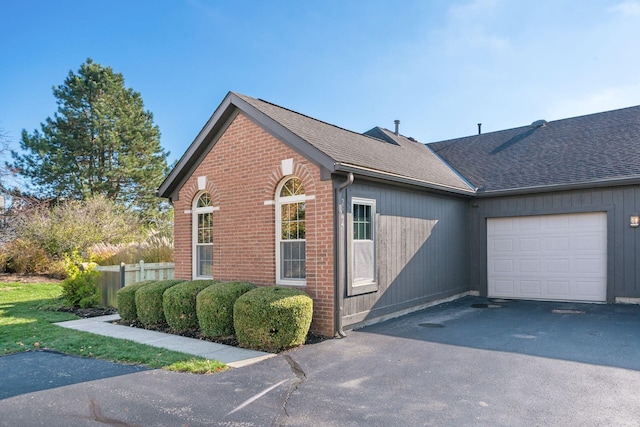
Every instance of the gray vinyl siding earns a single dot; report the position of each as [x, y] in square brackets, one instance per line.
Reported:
[422, 250]
[623, 242]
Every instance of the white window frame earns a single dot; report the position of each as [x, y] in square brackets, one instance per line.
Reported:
[194, 236]
[356, 287]
[279, 201]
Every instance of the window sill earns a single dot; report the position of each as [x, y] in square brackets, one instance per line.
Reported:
[298, 283]
[360, 289]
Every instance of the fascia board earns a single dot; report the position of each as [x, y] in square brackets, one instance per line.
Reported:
[600, 183]
[390, 177]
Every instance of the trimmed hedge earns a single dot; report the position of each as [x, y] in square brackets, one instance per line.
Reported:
[126, 300]
[149, 302]
[214, 307]
[179, 304]
[272, 318]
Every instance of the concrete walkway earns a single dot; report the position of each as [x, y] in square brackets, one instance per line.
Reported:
[234, 357]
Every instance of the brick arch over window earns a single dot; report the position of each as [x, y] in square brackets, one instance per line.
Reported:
[192, 190]
[299, 170]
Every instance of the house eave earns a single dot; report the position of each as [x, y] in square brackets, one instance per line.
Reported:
[388, 176]
[599, 183]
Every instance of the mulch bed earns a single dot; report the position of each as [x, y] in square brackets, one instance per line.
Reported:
[89, 312]
[194, 333]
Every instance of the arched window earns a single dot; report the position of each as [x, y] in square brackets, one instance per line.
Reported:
[290, 233]
[202, 236]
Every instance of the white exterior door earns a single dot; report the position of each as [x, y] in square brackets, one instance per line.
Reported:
[548, 257]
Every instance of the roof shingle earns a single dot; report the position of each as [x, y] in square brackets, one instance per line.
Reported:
[602, 147]
[405, 158]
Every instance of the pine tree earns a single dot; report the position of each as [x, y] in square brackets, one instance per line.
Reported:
[101, 141]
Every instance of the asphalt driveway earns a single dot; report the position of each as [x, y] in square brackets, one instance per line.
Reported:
[518, 363]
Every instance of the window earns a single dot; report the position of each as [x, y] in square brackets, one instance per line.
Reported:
[203, 237]
[290, 233]
[362, 274]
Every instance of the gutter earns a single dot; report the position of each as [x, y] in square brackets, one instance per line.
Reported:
[388, 176]
[601, 183]
[341, 195]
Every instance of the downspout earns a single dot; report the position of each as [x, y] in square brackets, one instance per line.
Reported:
[341, 195]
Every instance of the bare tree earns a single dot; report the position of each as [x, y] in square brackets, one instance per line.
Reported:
[4, 149]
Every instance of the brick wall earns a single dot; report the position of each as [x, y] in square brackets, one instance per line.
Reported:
[243, 171]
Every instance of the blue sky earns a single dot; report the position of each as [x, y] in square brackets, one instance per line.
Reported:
[439, 66]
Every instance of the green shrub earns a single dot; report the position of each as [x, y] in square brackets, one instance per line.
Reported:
[214, 307]
[80, 288]
[126, 298]
[272, 318]
[149, 302]
[179, 304]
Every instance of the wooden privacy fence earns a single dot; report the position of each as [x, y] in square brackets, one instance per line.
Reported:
[114, 277]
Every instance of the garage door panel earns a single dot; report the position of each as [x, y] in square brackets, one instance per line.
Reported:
[556, 244]
[558, 266]
[590, 266]
[589, 289]
[588, 242]
[555, 257]
[529, 266]
[560, 223]
[526, 223]
[502, 266]
[504, 287]
[532, 288]
[503, 245]
[530, 244]
[505, 226]
[558, 288]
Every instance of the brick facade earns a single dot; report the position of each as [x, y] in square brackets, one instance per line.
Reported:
[243, 171]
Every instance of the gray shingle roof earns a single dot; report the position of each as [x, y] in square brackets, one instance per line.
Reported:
[405, 158]
[596, 148]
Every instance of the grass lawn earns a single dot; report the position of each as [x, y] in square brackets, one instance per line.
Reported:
[25, 326]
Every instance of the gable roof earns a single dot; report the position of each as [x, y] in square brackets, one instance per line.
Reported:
[331, 147]
[593, 150]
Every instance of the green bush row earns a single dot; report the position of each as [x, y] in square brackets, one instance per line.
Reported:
[269, 318]
[214, 307]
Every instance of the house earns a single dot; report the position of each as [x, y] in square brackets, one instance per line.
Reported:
[375, 225]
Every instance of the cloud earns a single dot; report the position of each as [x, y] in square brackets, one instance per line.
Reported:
[470, 26]
[628, 8]
[606, 99]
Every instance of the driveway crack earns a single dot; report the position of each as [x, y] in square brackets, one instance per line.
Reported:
[301, 377]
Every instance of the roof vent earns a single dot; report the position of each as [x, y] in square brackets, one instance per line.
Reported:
[397, 122]
[539, 124]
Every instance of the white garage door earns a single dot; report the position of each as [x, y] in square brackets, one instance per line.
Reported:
[548, 257]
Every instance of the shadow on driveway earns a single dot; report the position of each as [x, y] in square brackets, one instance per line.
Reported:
[600, 334]
[42, 370]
